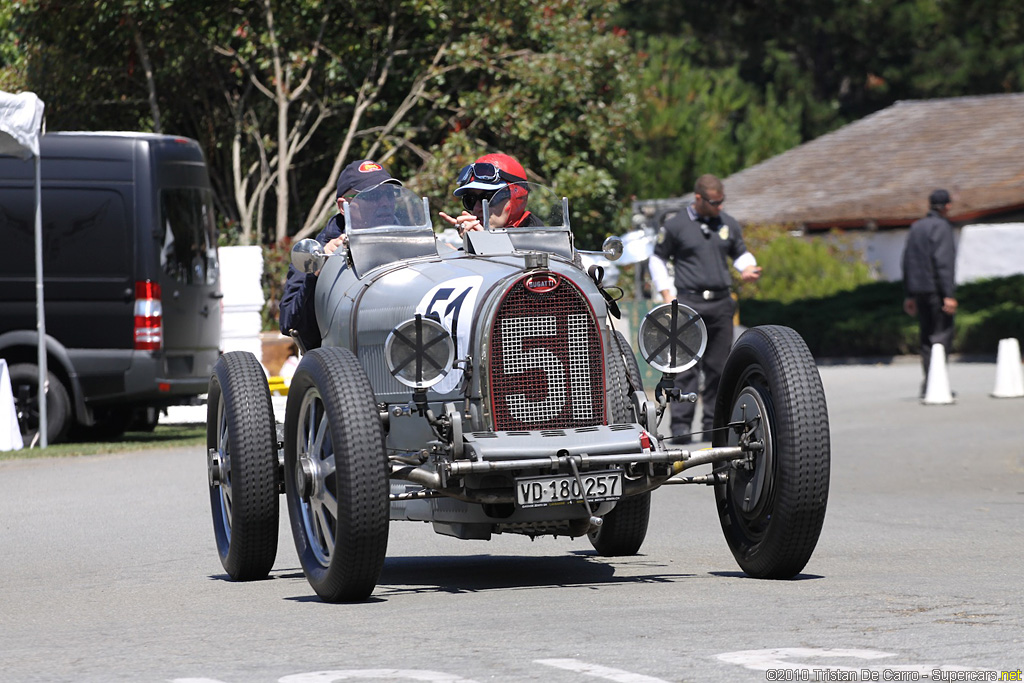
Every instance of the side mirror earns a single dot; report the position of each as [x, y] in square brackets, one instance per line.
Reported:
[612, 248]
[308, 256]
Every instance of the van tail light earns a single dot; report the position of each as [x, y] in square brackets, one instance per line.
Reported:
[149, 317]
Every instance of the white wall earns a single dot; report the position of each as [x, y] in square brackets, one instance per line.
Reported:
[983, 250]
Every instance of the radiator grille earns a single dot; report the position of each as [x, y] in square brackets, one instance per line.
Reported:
[546, 360]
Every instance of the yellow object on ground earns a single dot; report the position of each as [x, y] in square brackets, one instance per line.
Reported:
[277, 386]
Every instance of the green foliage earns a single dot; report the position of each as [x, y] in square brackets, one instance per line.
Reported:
[838, 61]
[551, 85]
[795, 268]
[699, 119]
[11, 58]
[870, 321]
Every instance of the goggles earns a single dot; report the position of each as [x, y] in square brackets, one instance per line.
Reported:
[485, 172]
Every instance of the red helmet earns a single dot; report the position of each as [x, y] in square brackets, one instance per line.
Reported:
[495, 172]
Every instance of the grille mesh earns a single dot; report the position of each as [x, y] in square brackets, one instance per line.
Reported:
[546, 365]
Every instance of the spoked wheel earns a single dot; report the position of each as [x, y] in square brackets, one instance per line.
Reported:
[625, 527]
[241, 443]
[773, 506]
[336, 477]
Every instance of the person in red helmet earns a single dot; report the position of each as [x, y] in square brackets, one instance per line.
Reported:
[499, 179]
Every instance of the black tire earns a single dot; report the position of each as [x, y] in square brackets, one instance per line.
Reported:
[110, 424]
[145, 419]
[633, 374]
[336, 476]
[25, 386]
[772, 514]
[240, 429]
[624, 528]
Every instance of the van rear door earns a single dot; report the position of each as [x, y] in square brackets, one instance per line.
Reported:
[189, 281]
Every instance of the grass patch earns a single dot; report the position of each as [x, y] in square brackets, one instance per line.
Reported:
[164, 436]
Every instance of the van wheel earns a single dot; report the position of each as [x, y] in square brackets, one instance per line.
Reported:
[25, 385]
[144, 419]
[110, 424]
[241, 441]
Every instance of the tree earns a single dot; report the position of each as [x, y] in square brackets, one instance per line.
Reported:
[698, 119]
[281, 99]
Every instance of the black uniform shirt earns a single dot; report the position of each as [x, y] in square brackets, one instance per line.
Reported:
[699, 247]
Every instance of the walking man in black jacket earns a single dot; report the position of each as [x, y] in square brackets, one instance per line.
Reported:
[929, 260]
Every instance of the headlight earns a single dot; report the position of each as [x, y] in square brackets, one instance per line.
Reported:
[672, 337]
[419, 352]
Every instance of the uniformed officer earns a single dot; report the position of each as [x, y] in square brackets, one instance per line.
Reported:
[698, 241]
[929, 278]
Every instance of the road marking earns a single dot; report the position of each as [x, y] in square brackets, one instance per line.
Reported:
[777, 658]
[385, 674]
[605, 672]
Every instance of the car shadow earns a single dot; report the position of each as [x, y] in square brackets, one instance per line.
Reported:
[477, 573]
[413, 575]
[743, 575]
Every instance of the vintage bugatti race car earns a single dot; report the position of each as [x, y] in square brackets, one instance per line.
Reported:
[486, 390]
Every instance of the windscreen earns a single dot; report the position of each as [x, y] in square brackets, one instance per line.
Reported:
[386, 205]
[526, 205]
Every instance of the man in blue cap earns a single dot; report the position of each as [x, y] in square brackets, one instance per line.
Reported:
[296, 308]
[929, 278]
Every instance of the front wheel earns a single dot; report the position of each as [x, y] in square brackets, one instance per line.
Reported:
[624, 528]
[772, 506]
[241, 441]
[336, 477]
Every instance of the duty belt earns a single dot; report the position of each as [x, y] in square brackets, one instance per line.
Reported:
[709, 294]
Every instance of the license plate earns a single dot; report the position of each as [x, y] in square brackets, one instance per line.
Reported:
[532, 492]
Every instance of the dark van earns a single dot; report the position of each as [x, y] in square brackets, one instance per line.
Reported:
[130, 280]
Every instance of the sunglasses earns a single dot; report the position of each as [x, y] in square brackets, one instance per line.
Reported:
[470, 199]
[495, 198]
[715, 204]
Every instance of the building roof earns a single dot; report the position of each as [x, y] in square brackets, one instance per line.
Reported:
[878, 171]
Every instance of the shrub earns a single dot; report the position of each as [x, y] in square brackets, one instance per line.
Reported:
[869, 320]
[797, 268]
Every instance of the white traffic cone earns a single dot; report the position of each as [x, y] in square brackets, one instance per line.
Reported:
[938, 391]
[1009, 374]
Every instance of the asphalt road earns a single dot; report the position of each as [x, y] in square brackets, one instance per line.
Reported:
[109, 573]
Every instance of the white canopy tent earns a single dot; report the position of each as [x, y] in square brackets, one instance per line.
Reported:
[21, 123]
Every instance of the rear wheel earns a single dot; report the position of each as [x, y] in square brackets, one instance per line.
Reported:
[772, 507]
[336, 476]
[25, 387]
[624, 528]
[241, 442]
